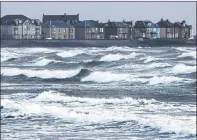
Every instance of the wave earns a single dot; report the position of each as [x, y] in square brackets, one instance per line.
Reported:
[105, 77]
[45, 74]
[69, 53]
[43, 62]
[117, 57]
[149, 59]
[182, 68]
[188, 54]
[158, 65]
[165, 79]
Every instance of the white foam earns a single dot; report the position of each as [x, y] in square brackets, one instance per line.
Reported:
[163, 80]
[70, 53]
[148, 59]
[42, 62]
[88, 110]
[182, 68]
[188, 54]
[61, 74]
[104, 77]
[6, 55]
[158, 65]
[117, 57]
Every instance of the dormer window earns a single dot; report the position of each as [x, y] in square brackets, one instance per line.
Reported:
[20, 21]
[33, 21]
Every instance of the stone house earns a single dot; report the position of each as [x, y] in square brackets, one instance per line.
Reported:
[166, 29]
[58, 30]
[89, 29]
[20, 27]
[122, 30]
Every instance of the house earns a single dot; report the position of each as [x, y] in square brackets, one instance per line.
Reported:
[178, 30]
[20, 27]
[70, 19]
[119, 29]
[130, 30]
[146, 29]
[166, 29]
[58, 30]
[189, 31]
[89, 29]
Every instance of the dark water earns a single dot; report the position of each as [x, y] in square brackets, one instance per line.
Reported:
[95, 93]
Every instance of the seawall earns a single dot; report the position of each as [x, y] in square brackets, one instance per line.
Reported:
[92, 43]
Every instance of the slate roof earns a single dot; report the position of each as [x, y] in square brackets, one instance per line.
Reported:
[57, 24]
[60, 17]
[89, 23]
[116, 24]
[165, 24]
[178, 25]
[9, 19]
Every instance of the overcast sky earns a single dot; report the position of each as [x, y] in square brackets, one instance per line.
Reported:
[102, 11]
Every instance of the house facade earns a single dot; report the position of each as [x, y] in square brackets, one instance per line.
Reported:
[58, 30]
[120, 30]
[20, 27]
[166, 29]
[70, 19]
[89, 29]
[146, 29]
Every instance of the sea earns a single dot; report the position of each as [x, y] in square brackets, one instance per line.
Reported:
[89, 93]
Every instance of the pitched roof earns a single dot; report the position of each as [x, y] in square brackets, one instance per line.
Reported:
[88, 23]
[116, 24]
[60, 17]
[57, 24]
[10, 19]
[165, 24]
[178, 25]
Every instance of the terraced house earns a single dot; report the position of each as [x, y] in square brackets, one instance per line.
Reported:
[146, 29]
[20, 27]
[89, 29]
[58, 30]
[118, 30]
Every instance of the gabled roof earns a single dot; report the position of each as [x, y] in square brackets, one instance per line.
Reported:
[57, 24]
[165, 24]
[178, 25]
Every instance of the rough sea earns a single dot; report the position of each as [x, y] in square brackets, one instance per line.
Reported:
[112, 93]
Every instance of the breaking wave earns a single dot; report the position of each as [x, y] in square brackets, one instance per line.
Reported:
[188, 54]
[105, 77]
[165, 79]
[127, 110]
[43, 62]
[117, 57]
[45, 74]
[70, 53]
[182, 68]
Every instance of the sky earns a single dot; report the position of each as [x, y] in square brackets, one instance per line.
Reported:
[103, 11]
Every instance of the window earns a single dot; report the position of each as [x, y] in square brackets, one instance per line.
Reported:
[59, 30]
[65, 36]
[64, 30]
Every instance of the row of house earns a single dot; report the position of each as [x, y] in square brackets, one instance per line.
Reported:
[70, 27]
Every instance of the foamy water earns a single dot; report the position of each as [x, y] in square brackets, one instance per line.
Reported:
[115, 92]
